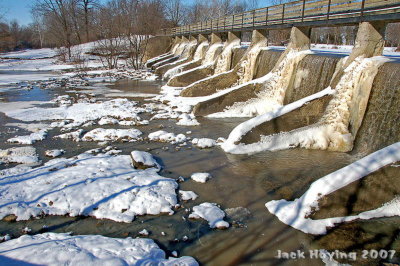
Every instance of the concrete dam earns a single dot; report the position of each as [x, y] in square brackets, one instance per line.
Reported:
[292, 97]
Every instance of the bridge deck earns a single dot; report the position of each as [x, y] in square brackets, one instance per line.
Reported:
[314, 13]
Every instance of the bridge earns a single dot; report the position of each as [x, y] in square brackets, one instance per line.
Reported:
[303, 13]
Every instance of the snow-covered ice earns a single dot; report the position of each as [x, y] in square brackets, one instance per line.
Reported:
[80, 112]
[188, 195]
[200, 177]
[29, 139]
[102, 186]
[54, 153]
[21, 155]
[64, 249]
[211, 213]
[163, 136]
[101, 134]
[203, 143]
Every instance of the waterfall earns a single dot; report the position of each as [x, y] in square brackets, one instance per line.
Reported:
[359, 75]
[314, 73]
[200, 51]
[211, 54]
[270, 89]
[266, 61]
[237, 55]
[188, 49]
[334, 129]
[224, 60]
[246, 68]
[198, 55]
[180, 47]
[380, 126]
[174, 48]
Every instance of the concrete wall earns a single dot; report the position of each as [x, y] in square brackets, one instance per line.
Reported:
[156, 46]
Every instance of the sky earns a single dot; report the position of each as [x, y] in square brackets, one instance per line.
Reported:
[20, 9]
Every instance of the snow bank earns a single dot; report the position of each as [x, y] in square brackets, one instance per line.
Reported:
[101, 134]
[31, 54]
[64, 249]
[294, 213]
[211, 213]
[102, 186]
[201, 177]
[23, 155]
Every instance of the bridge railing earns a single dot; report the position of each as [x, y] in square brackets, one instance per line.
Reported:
[290, 13]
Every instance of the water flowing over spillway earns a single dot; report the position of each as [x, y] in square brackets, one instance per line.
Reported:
[380, 125]
[179, 48]
[266, 61]
[269, 90]
[247, 65]
[197, 57]
[211, 54]
[313, 74]
[331, 131]
[224, 60]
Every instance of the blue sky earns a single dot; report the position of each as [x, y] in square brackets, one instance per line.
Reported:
[20, 9]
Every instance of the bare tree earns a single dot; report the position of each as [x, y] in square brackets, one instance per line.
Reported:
[176, 12]
[87, 7]
[57, 11]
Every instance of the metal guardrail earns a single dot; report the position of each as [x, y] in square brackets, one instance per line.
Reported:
[302, 11]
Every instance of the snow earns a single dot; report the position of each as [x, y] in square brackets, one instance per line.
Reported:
[224, 59]
[29, 139]
[163, 136]
[198, 55]
[204, 143]
[144, 232]
[271, 96]
[64, 249]
[102, 186]
[187, 120]
[294, 213]
[16, 106]
[80, 112]
[239, 131]
[31, 54]
[201, 177]
[54, 153]
[101, 134]
[145, 159]
[22, 155]
[75, 135]
[211, 213]
[188, 195]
